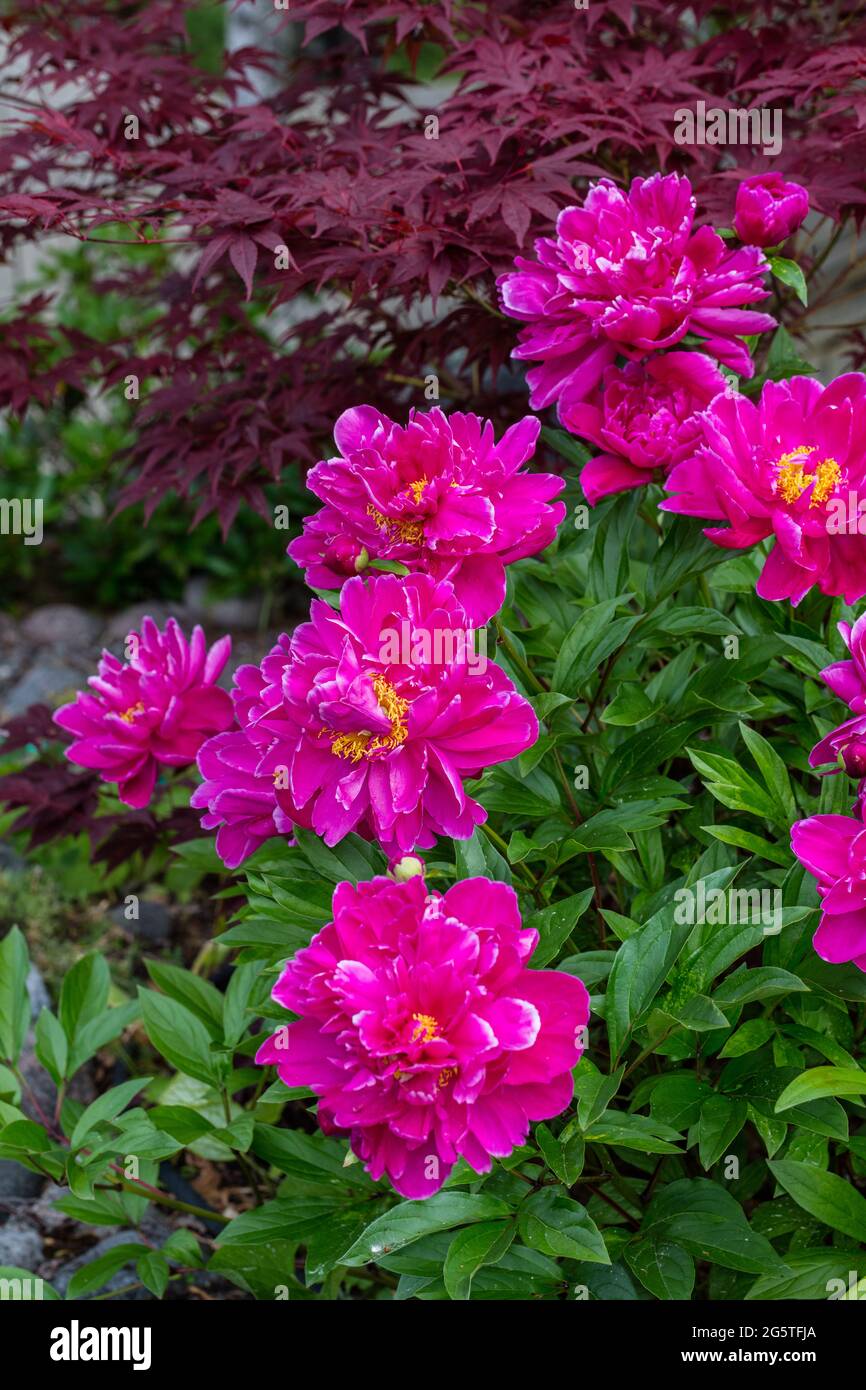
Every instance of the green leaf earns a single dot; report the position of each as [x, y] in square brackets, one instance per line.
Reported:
[790, 274]
[471, 1248]
[21, 1285]
[699, 1014]
[783, 360]
[553, 1223]
[824, 1195]
[753, 1034]
[52, 1048]
[563, 1156]
[388, 566]
[626, 1131]
[594, 1092]
[308, 1156]
[726, 1242]
[152, 1270]
[754, 844]
[262, 1269]
[566, 446]
[773, 770]
[106, 1107]
[284, 1219]
[629, 706]
[181, 1122]
[822, 1081]
[180, 1037]
[236, 1004]
[710, 1223]
[351, 859]
[205, 27]
[761, 983]
[735, 788]
[98, 1031]
[478, 858]
[555, 924]
[83, 995]
[14, 999]
[328, 1241]
[642, 965]
[810, 1275]
[410, 1220]
[665, 1269]
[677, 1099]
[98, 1272]
[684, 551]
[197, 996]
[592, 639]
[182, 1248]
[720, 1122]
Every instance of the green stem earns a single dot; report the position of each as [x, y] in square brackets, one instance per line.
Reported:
[141, 1189]
[649, 1050]
[496, 839]
[516, 659]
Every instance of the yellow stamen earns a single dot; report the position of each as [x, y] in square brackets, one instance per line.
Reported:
[446, 1074]
[427, 1028]
[129, 714]
[828, 476]
[793, 478]
[411, 531]
[416, 489]
[362, 744]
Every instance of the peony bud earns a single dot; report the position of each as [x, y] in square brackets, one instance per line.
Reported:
[768, 209]
[410, 866]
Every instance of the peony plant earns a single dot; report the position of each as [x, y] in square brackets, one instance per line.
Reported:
[538, 943]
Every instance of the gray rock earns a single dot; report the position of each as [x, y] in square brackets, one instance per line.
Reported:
[16, 1181]
[44, 682]
[129, 620]
[220, 614]
[39, 997]
[60, 1280]
[40, 1093]
[61, 626]
[20, 1245]
[153, 923]
[10, 860]
[49, 1220]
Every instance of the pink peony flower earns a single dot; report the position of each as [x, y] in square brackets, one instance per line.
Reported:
[768, 209]
[644, 419]
[848, 743]
[240, 802]
[833, 849]
[242, 768]
[627, 273]
[783, 467]
[372, 718]
[847, 679]
[439, 495]
[422, 1030]
[157, 710]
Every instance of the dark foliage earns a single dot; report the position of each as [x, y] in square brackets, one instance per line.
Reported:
[402, 234]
